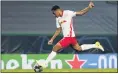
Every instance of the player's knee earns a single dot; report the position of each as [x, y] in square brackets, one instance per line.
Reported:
[56, 48]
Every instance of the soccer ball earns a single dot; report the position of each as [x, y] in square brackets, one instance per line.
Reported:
[38, 68]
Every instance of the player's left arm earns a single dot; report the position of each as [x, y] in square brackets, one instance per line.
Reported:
[85, 10]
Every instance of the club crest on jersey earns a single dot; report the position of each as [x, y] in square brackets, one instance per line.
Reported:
[63, 21]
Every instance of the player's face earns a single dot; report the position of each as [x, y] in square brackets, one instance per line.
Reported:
[56, 13]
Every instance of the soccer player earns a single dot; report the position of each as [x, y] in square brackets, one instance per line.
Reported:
[64, 23]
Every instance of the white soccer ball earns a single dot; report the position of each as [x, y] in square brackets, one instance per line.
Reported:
[38, 68]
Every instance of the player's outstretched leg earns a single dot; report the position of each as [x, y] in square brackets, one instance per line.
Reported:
[51, 56]
[88, 46]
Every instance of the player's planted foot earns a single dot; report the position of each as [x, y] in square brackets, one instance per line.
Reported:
[43, 64]
[98, 45]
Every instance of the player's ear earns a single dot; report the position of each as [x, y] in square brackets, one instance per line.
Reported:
[52, 13]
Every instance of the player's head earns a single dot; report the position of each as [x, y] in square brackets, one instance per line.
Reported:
[57, 11]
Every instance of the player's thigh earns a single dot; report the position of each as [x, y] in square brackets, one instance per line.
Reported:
[77, 47]
[57, 47]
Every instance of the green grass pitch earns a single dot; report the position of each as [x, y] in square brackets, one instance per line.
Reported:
[62, 70]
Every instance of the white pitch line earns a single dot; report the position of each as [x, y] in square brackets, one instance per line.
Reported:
[93, 64]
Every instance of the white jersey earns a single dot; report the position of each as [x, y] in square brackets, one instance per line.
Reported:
[66, 23]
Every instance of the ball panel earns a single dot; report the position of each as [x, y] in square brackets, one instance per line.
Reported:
[38, 68]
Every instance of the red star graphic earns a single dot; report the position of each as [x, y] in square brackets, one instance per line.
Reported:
[76, 63]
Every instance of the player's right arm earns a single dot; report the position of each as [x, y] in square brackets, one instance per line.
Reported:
[57, 32]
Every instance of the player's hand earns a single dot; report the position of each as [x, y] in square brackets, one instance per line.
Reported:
[50, 42]
[91, 4]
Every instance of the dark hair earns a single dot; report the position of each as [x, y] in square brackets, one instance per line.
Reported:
[55, 7]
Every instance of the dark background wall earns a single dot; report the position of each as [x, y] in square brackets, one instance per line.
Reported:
[38, 44]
